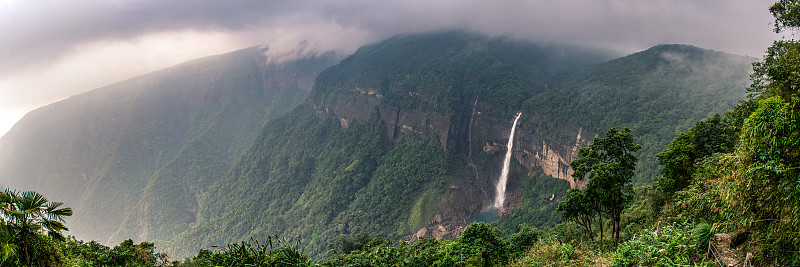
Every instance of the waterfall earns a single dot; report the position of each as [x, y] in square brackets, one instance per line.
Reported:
[501, 183]
[469, 128]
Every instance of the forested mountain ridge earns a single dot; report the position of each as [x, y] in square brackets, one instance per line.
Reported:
[132, 158]
[405, 136]
[316, 175]
[392, 133]
[657, 93]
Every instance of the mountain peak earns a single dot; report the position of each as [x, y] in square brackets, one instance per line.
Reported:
[672, 52]
[675, 47]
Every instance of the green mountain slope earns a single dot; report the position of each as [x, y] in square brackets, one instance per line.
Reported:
[389, 140]
[657, 93]
[133, 158]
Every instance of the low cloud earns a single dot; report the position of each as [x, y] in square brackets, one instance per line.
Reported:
[38, 31]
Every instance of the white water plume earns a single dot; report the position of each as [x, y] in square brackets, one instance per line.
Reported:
[501, 183]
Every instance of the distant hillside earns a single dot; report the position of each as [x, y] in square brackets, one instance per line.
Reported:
[134, 158]
[657, 93]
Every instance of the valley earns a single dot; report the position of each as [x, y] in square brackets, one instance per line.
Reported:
[405, 138]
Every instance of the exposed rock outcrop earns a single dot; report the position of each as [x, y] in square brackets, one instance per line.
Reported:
[553, 160]
[439, 229]
[487, 134]
[358, 104]
[531, 150]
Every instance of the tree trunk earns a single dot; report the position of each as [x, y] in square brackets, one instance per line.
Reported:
[587, 226]
[600, 220]
[616, 218]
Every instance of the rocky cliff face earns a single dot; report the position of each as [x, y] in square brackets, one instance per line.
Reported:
[490, 134]
[350, 105]
[471, 134]
[554, 160]
[532, 150]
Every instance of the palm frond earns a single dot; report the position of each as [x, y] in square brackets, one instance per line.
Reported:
[56, 235]
[30, 200]
[54, 213]
[54, 226]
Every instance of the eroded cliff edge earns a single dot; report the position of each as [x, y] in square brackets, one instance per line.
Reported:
[481, 139]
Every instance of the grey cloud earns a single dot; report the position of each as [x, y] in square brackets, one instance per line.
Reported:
[50, 50]
[37, 31]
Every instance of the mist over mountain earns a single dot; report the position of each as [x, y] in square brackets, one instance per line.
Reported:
[404, 138]
[105, 152]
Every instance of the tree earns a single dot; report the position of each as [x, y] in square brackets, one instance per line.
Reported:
[7, 248]
[129, 254]
[677, 164]
[484, 240]
[29, 215]
[765, 186]
[713, 135]
[787, 15]
[706, 137]
[765, 195]
[610, 166]
[779, 73]
[344, 244]
[577, 208]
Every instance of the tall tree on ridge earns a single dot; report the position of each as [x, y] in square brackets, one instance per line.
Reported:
[610, 166]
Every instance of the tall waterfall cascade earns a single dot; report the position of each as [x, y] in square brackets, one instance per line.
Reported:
[500, 196]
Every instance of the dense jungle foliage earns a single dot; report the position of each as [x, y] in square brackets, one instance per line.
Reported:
[444, 70]
[308, 177]
[650, 92]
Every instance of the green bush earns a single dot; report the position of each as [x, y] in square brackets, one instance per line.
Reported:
[484, 240]
[80, 253]
[381, 252]
[279, 252]
[671, 245]
[702, 234]
[520, 242]
[479, 245]
[550, 251]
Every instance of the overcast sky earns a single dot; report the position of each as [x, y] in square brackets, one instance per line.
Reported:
[50, 50]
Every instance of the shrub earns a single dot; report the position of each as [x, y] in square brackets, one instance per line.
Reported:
[669, 245]
[520, 242]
